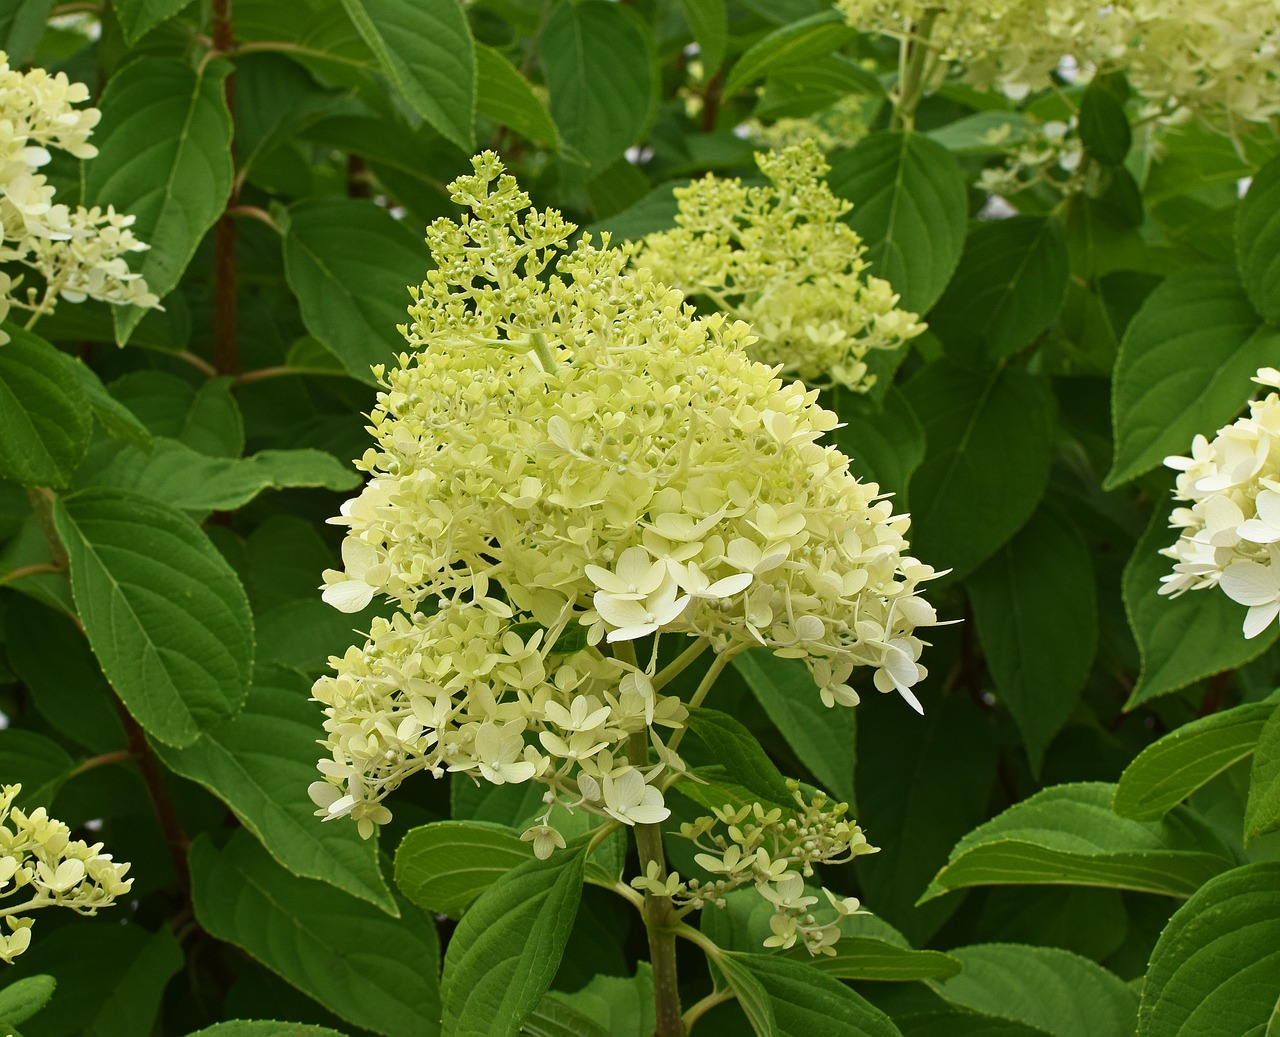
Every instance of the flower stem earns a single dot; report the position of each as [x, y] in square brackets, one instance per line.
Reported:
[659, 914]
[914, 75]
[709, 678]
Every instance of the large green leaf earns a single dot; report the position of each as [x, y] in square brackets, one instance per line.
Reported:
[260, 764]
[262, 1028]
[22, 23]
[115, 418]
[1104, 125]
[793, 44]
[738, 750]
[45, 421]
[139, 17]
[1051, 989]
[822, 738]
[962, 1023]
[1184, 367]
[349, 262]
[39, 764]
[1184, 638]
[1035, 605]
[1007, 289]
[1262, 810]
[1258, 241]
[884, 439]
[608, 1006]
[783, 997]
[1170, 769]
[165, 157]
[909, 206]
[424, 47]
[193, 481]
[21, 1000]
[990, 440]
[445, 865]
[1068, 834]
[598, 63]
[371, 970]
[165, 614]
[505, 96]
[1216, 970]
[709, 22]
[506, 949]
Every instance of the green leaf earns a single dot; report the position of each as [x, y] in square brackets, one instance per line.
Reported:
[45, 422]
[884, 440]
[178, 475]
[1262, 810]
[1055, 991]
[22, 24]
[260, 764]
[261, 1028]
[1181, 639]
[866, 958]
[1068, 834]
[783, 997]
[1007, 290]
[165, 614]
[21, 1000]
[1215, 971]
[505, 96]
[822, 738]
[445, 865]
[1170, 769]
[1104, 125]
[349, 262]
[598, 64]
[982, 133]
[117, 420]
[609, 1006]
[793, 44]
[165, 157]
[909, 206]
[739, 752]
[961, 1024]
[1184, 367]
[375, 972]
[1036, 610]
[506, 949]
[1258, 241]
[139, 17]
[275, 100]
[424, 47]
[990, 441]
[710, 26]
[39, 764]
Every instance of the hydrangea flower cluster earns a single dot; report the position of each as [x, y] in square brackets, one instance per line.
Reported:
[1048, 153]
[779, 258]
[753, 846]
[78, 252]
[39, 860]
[570, 460]
[839, 125]
[1231, 531]
[1215, 60]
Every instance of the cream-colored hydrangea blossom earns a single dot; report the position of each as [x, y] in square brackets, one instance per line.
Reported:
[839, 125]
[779, 258]
[42, 866]
[1231, 530]
[569, 460]
[78, 252]
[1216, 60]
[755, 846]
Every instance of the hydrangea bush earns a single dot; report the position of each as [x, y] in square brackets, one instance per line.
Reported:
[757, 603]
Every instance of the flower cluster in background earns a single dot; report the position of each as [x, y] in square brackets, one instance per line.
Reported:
[42, 866]
[780, 258]
[1231, 531]
[570, 460]
[1217, 61]
[77, 251]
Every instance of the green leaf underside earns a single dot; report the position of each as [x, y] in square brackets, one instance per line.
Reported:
[506, 949]
[348, 261]
[1169, 770]
[374, 971]
[445, 865]
[165, 157]
[1181, 639]
[909, 206]
[1215, 971]
[1184, 367]
[1068, 834]
[822, 738]
[45, 423]
[164, 613]
[1053, 990]
[260, 764]
[424, 47]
